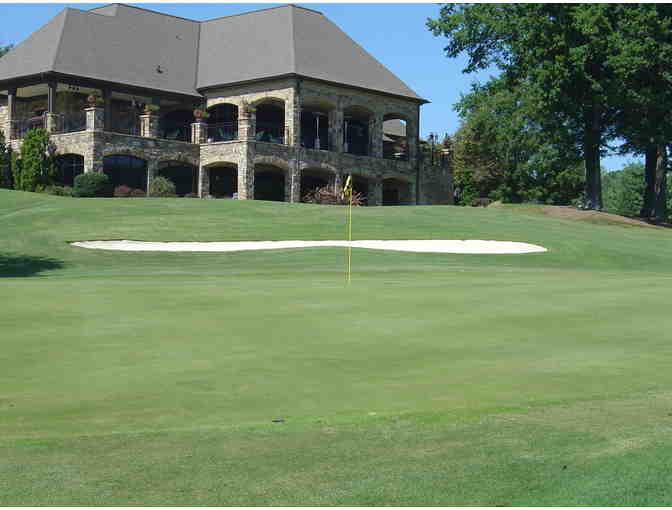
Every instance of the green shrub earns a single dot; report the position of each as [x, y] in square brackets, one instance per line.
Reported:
[161, 187]
[37, 163]
[61, 191]
[92, 184]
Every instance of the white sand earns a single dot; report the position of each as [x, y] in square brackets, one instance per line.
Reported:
[427, 246]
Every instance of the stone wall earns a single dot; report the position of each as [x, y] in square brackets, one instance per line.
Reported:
[436, 185]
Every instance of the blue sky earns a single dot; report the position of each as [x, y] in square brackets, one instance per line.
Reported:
[395, 34]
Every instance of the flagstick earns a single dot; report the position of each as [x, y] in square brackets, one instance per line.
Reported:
[350, 239]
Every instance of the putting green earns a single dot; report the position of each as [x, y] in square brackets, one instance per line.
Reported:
[433, 379]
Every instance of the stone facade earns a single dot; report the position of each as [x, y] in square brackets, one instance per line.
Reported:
[398, 181]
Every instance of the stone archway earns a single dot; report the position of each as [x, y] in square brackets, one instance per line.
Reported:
[270, 183]
[360, 184]
[313, 178]
[126, 170]
[270, 121]
[183, 175]
[223, 180]
[68, 166]
[396, 191]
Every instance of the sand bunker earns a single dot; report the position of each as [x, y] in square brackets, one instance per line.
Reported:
[426, 246]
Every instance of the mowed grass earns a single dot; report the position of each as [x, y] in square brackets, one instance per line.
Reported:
[433, 379]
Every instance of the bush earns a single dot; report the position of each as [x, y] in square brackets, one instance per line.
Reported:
[37, 165]
[92, 184]
[327, 196]
[138, 193]
[61, 191]
[161, 187]
[122, 191]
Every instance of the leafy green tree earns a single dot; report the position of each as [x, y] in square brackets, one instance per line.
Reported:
[37, 165]
[557, 53]
[623, 190]
[509, 156]
[642, 52]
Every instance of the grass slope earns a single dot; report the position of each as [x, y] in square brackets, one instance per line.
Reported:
[152, 378]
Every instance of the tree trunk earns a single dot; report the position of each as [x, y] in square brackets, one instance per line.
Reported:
[648, 200]
[660, 202]
[591, 155]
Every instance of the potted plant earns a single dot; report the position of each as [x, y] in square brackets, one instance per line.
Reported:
[151, 108]
[200, 114]
[94, 100]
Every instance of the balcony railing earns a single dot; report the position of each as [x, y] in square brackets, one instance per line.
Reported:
[180, 132]
[310, 142]
[70, 122]
[269, 132]
[125, 124]
[19, 127]
[222, 132]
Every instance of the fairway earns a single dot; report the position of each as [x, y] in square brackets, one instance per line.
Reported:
[153, 378]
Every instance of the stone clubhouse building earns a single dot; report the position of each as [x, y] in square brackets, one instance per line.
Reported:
[266, 105]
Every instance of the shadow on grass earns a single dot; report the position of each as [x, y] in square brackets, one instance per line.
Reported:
[26, 265]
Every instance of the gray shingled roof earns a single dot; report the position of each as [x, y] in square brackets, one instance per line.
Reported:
[127, 45]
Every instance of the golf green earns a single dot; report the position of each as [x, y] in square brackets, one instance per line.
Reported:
[262, 378]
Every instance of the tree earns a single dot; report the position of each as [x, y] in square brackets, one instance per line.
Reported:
[37, 168]
[507, 153]
[557, 53]
[643, 50]
[5, 49]
[623, 189]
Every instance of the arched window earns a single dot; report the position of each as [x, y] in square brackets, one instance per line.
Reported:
[222, 123]
[176, 125]
[395, 138]
[270, 122]
[356, 130]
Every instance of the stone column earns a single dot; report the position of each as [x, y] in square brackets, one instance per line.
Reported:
[246, 173]
[151, 172]
[246, 125]
[412, 139]
[11, 113]
[336, 130]
[375, 191]
[51, 122]
[338, 182]
[199, 132]
[203, 181]
[293, 185]
[376, 136]
[149, 125]
[293, 119]
[95, 118]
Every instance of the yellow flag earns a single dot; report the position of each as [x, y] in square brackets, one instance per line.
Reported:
[347, 189]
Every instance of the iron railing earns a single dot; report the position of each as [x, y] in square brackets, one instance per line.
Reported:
[70, 122]
[19, 127]
[270, 132]
[125, 124]
[180, 132]
[222, 132]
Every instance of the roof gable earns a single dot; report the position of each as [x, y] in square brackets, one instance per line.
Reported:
[288, 40]
[36, 54]
[132, 46]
